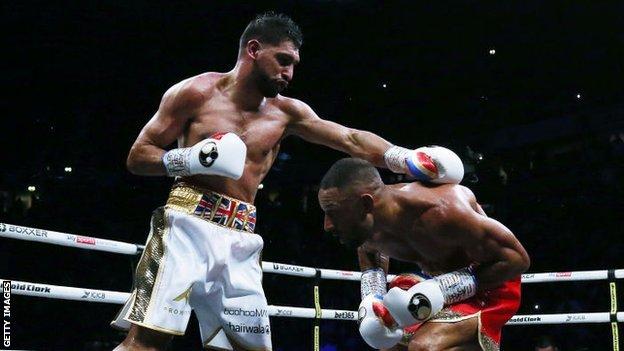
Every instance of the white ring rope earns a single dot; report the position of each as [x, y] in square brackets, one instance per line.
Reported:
[115, 297]
[65, 239]
[92, 243]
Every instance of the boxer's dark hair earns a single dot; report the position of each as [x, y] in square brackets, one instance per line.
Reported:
[272, 28]
[348, 172]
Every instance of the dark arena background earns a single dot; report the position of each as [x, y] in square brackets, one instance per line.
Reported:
[528, 93]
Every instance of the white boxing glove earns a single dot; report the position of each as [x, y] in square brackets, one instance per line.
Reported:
[434, 164]
[221, 154]
[425, 299]
[377, 327]
[415, 305]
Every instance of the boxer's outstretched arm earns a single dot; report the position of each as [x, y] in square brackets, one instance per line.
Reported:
[499, 254]
[430, 164]
[176, 108]
[357, 143]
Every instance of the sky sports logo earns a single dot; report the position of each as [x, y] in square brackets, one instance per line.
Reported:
[6, 313]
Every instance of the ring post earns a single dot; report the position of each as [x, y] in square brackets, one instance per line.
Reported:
[613, 311]
[317, 311]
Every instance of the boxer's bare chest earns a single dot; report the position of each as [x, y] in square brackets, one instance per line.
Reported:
[261, 129]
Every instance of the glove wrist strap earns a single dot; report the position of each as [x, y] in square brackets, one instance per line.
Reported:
[177, 162]
[457, 286]
[373, 282]
[395, 157]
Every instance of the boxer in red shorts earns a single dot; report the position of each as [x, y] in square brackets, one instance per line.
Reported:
[473, 262]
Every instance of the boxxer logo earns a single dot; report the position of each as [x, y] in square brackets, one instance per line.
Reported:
[287, 268]
[26, 231]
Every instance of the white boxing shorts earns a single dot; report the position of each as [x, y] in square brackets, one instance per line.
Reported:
[202, 255]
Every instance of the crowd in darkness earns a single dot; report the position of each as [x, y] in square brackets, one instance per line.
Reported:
[528, 94]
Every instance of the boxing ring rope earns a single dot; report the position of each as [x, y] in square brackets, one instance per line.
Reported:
[91, 243]
[104, 296]
[116, 297]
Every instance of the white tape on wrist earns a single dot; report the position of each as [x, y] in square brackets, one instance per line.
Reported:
[373, 282]
[395, 159]
[457, 286]
[177, 162]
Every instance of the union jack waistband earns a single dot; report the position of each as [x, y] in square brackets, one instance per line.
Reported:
[213, 207]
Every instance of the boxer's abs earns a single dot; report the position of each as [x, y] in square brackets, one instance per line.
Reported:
[262, 149]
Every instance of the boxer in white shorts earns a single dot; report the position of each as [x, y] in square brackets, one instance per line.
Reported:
[203, 256]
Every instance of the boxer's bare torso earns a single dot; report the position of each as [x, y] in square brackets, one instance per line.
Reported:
[198, 107]
[244, 101]
[441, 228]
[261, 129]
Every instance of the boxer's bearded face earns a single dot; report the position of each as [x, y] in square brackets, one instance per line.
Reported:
[273, 67]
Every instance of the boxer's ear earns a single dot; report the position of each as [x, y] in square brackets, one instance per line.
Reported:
[368, 203]
[253, 47]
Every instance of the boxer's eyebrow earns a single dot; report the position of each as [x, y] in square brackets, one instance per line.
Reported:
[287, 58]
[330, 199]
[327, 205]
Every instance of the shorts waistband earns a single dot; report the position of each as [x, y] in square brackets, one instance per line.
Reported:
[213, 207]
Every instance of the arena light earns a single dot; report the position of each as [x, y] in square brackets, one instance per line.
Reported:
[384, 85]
[492, 51]
[578, 96]
[32, 188]
[68, 169]
[260, 186]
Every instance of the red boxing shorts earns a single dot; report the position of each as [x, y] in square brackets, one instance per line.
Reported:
[493, 308]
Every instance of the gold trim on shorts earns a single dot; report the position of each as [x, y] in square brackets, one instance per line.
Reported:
[148, 268]
[449, 316]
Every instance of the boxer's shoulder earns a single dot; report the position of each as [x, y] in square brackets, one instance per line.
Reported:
[193, 91]
[204, 84]
[436, 205]
[466, 192]
[294, 108]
